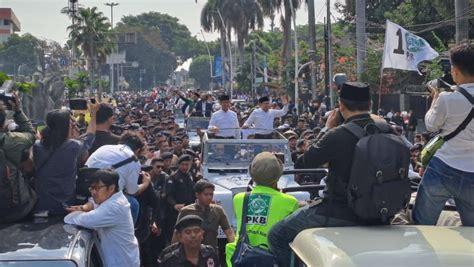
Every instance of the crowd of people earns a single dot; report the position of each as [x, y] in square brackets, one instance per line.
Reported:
[126, 169]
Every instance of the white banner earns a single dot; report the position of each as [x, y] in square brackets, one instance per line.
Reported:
[403, 50]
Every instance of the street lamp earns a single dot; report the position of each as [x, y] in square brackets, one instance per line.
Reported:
[111, 5]
[208, 52]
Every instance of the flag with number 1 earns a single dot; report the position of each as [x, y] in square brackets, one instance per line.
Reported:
[403, 50]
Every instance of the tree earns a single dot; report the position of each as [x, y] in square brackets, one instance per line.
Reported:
[151, 54]
[92, 34]
[174, 35]
[200, 71]
[270, 8]
[22, 54]
[243, 16]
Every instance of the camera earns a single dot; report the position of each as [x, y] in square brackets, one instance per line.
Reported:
[6, 97]
[444, 82]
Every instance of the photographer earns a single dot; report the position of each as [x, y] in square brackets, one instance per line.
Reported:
[450, 173]
[104, 120]
[12, 146]
[56, 157]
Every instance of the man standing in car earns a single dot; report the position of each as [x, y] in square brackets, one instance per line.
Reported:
[263, 117]
[224, 119]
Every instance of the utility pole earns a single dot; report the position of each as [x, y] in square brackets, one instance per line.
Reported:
[72, 11]
[209, 54]
[360, 37]
[332, 93]
[254, 69]
[112, 78]
[293, 15]
[461, 8]
[312, 45]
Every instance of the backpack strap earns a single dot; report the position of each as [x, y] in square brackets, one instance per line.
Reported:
[243, 223]
[467, 120]
[354, 129]
[124, 162]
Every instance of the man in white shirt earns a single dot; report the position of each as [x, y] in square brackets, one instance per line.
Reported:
[108, 214]
[263, 117]
[131, 145]
[450, 173]
[224, 123]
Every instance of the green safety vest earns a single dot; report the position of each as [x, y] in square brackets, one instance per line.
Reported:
[266, 207]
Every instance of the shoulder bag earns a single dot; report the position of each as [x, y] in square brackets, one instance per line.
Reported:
[437, 142]
[246, 255]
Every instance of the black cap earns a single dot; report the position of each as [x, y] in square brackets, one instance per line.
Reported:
[190, 152]
[166, 155]
[184, 157]
[188, 221]
[300, 142]
[355, 91]
[263, 99]
[224, 98]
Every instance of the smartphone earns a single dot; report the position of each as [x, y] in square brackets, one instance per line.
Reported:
[93, 100]
[77, 104]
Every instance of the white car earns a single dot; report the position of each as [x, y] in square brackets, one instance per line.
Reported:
[395, 245]
[225, 163]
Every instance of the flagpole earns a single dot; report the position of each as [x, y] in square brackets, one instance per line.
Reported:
[381, 69]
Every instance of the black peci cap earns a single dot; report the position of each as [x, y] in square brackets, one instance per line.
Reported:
[355, 91]
[263, 99]
[224, 98]
[184, 157]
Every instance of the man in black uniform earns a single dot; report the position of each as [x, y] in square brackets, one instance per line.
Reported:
[336, 147]
[179, 193]
[105, 120]
[167, 161]
[189, 251]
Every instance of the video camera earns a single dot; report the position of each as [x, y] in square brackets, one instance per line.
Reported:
[6, 97]
[444, 82]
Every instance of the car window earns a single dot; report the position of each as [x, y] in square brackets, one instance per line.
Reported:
[241, 153]
[94, 258]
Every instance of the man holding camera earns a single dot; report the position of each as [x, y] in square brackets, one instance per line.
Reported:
[104, 121]
[12, 147]
[450, 173]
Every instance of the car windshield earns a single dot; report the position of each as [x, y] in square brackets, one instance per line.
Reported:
[241, 153]
[193, 124]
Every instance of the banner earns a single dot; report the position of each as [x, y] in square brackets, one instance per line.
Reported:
[217, 75]
[403, 50]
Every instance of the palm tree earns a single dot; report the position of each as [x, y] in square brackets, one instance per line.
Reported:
[211, 21]
[92, 34]
[243, 16]
[270, 7]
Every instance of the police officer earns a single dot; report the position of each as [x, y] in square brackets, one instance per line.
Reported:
[189, 251]
[269, 205]
[179, 192]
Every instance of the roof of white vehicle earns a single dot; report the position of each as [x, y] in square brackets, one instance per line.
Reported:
[386, 246]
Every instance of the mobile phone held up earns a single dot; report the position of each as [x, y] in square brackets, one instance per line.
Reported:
[77, 104]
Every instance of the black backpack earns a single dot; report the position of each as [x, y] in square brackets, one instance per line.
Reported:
[17, 198]
[379, 186]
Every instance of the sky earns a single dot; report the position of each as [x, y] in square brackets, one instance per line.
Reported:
[43, 19]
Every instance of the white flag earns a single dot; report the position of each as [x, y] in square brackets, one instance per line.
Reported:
[404, 50]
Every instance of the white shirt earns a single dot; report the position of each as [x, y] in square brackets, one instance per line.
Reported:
[264, 120]
[113, 222]
[108, 155]
[225, 120]
[447, 114]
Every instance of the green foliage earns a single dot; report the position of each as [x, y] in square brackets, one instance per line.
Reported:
[103, 84]
[200, 71]
[3, 77]
[77, 85]
[23, 50]
[175, 36]
[24, 87]
[92, 34]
